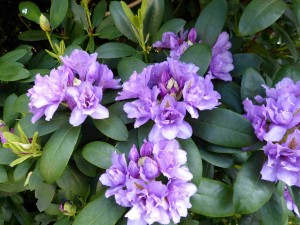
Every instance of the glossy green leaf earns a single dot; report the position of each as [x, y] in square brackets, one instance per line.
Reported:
[14, 55]
[121, 21]
[217, 159]
[42, 126]
[109, 32]
[194, 160]
[57, 152]
[112, 127]
[33, 35]
[44, 193]
[84, 166]
[174, 25]
[9, 115]
[250, 192]
[117, 109]
[21, 104]
[243, 61]
[6, 156]
[290, 71]
[12, 71]
[213, 199]
[12, 186]
[251, 84]
[125, 146]
[30, 11]
[224, 127]
[99, 153]
[211, 21]
[58, 11]
[128, 65]
[79, 17]
[3, 174]
[21, 169]
[153, 17]
[99, 13]
[114, 50]
[259, 14]
[295, 193]
[102, 211]
[199, 55]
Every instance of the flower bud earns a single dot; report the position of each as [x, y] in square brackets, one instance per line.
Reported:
[44, 23]
[68, 208]
[146, 149]
[149, 168]
[133, 154]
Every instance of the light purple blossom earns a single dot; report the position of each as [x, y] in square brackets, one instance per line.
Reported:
[283, 160]
[290, 202]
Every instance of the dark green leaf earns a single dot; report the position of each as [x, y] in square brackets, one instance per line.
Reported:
[110, 33]
[117, 109]
[128, 65]
[12, 71]
[112, 127]
[99, 153]
[250, 193]
[9, 115]
[121, 21]
[22, 169]
[194, 160]
[6, 156]
[44, 193]
[213, 199]
[84, 166]
[3, 174]
[211, 21]
[125, 146]
[21, 104]
[251, 84]
[58, 11]
[221, 149]
[198, 54]
[174, 25]
[33, 35]
[250, 219]
[217, 159]
[243, 61]
[290, 71]
[224, 127]
[13, 55]
[57, 152]
[259, 14]
[114, 50]
[30, 11]
[101, 211]
[79, 15]
[99, 13]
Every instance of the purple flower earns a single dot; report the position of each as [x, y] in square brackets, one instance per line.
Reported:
[169, 121]
[115, 176]
[221, 60]
[47, 93]
[179, 198]
[290, 202]
[84, 100]
[283, 160]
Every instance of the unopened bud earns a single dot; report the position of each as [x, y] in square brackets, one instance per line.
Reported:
[44, 23]
[68, 208]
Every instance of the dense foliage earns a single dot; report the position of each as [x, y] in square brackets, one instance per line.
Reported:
[148, 112]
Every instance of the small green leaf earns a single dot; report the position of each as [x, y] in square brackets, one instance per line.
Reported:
[128, 65]
[33, 35]
[101, 211]
[290, 71]
[6, 156]
[112, 127]
[3, 174]
[99, 153]
[44, 193]
[199, 55]
[251, 84]
[30, 11]
[22, 169]
[21, 104]
[250, 193]
[213, 199]
[9, 114]
[14, 55]
[12, 71]
[114, 50]
[109, 32]
[174, 25]
[211, 21]
[58, 11]
[57, 152]
[259, 14]
[99, 13]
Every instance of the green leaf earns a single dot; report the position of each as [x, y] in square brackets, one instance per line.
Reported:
[125, 146]
[110, 33]
[84, 166]
[12, 71]
[199, 55]
[30, 11]
[112, 127]
[22, 169]
[213, 199]
[99, 13]
[217, 159]
[32, 35]
[14, 55]
[101, 211]
[58, 11]
[99, 153]
[57, 152]
[251, 84]
[243, 61]
[259, 14]
[194, 160]
[274, 211]
[290, 71]
[79, 16]
[9, 115]
[42, 126]
[6, 156]
[121, 20]
[21, 104]
[114, 50]
[211, 21]
[153, 17]
[3, 174]
[224, 127]
[174, 25]
[250, 193]
[44, 193]
[128, 65]
[117, 109]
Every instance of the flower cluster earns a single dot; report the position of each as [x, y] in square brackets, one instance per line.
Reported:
[155, 183]
[163, 93]
[221, 60]
[79, 84]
